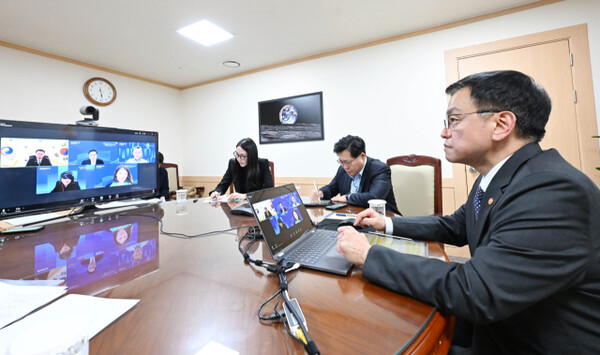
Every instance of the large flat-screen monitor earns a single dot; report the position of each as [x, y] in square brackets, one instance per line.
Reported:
[52, 166]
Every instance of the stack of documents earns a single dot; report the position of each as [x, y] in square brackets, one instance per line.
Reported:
[18, 301]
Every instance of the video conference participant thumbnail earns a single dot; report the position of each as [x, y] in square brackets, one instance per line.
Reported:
[122, 176]
[92, 158]
[39, 159]
[67, 182]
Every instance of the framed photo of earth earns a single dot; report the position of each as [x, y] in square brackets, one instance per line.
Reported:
[291, 119]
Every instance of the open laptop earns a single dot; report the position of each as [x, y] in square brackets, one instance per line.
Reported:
[289, 231]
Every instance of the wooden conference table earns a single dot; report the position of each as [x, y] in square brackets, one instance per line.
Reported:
[198, 290]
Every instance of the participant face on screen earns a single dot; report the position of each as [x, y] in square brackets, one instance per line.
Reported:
[65, 181]
[296, 216]
[122, 175]
[65, 250]
[122, 236]
[39, 154]
[93, 155]
[137, 253]
[241, 156]
[137, 153]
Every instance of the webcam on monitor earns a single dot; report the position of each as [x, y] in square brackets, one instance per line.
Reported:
[89, 121]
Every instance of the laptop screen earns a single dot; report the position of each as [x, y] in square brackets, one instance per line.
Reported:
[281, 215]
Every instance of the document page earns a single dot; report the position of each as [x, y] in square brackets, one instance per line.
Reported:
[18, 299]
[99, 311]
[402, 245]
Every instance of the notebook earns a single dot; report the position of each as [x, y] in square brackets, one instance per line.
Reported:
[289, 232]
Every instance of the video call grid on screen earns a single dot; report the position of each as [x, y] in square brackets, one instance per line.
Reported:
[281, 212]
[34, 157]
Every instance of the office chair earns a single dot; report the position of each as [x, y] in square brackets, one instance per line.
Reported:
[173, 173]
[417, 182]
[271, 167]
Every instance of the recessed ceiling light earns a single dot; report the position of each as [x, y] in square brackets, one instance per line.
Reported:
[205, 32]
[231, 64]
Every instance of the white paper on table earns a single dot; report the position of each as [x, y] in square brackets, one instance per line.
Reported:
[101, 313]
[222, 199]
[215, 348]
[18, 299]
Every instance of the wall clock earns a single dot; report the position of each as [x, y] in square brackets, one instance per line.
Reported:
[100, 91]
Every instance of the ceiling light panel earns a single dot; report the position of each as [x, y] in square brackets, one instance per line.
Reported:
[205, 32]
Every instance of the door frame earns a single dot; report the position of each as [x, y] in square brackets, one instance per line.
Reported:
[582, 82]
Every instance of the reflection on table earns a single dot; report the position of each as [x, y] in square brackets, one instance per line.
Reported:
[198, 290]
[87, 253]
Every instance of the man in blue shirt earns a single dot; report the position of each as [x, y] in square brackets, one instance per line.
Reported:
[359, 177]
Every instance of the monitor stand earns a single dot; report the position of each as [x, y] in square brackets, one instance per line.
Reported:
[126, 203]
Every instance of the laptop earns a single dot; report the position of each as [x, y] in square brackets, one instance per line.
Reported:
[289, 232]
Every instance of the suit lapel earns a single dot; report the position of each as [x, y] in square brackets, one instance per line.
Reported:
[363, 178]
[495, 190]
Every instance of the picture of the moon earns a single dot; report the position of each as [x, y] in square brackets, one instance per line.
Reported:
[291, 119]
[288, 114]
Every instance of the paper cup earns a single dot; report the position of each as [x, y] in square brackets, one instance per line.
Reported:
[181, 195]
[378, 206]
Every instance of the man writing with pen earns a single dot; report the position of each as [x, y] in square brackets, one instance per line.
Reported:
[359, 177]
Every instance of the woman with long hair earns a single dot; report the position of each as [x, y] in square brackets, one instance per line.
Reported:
[67, 182]
[122, 176]
[246, 171]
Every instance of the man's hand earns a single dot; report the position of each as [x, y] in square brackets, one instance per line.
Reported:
[339, 199]
[370, 218]
[215, 195]
[352, 245]
[316, 195]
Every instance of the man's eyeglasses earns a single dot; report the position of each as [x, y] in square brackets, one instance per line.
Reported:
[453, 119]
[346, 163]
[240, 156]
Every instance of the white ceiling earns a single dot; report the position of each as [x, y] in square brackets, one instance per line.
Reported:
[138, 37]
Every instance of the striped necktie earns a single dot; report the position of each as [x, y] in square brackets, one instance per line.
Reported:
[477, 200]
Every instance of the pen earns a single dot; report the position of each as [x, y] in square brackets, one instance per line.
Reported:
[317, 190]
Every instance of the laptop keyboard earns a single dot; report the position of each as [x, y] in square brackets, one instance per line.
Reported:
[314, 247]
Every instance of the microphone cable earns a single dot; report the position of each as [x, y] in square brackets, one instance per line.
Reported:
[183, 235]
[300, 332]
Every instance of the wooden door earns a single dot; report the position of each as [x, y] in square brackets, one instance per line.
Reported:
[557, 60]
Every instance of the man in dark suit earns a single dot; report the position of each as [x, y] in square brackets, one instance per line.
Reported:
[532, 284]
[39, 159]
[359, 177]
[163, 179]
[93, 158]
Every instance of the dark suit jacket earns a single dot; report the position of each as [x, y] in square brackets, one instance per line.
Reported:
[533, 282]
[33, 161]
[376, 183]
[229, 177]
[89, 162]
[163, 183]
[73, 186]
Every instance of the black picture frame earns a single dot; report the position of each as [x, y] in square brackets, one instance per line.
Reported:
[291, 119]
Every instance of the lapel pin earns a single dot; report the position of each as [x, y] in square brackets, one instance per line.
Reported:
[490, 201]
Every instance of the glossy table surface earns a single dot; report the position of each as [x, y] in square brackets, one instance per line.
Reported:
[196, 290]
